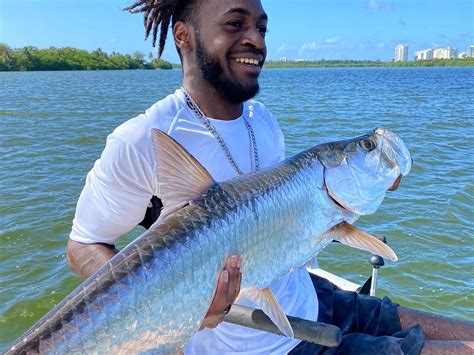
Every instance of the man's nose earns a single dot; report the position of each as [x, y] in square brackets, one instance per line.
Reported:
[254, 37]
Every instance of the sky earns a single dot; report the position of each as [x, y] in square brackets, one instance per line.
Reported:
[298, 29]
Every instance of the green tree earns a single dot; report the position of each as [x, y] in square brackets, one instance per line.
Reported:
[161, 64]
[137, 60]
[7, 58]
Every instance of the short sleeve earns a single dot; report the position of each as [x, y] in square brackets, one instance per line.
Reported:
[116, 194]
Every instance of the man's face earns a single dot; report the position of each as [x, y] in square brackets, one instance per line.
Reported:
[230, 46]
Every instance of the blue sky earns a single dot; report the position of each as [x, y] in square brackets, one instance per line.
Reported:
[299, 29]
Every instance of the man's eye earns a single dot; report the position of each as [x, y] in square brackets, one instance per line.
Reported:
[263, 30]
[236, 24]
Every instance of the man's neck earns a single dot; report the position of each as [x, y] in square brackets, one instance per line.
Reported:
[211, 102]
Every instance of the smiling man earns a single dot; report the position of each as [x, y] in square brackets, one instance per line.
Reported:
[222, 48]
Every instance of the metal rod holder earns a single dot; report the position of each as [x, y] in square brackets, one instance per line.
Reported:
[310, 331]
[376, 261]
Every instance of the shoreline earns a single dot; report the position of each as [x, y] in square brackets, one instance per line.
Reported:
[67, 58]
[438, 63]
[465, 62]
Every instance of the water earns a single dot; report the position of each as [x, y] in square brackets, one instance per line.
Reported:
[54, 125]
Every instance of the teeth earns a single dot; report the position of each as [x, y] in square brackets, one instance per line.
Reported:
[247, 61]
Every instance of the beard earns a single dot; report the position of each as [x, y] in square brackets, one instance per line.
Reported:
[212, 72]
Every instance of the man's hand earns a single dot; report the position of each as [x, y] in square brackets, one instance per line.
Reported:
[228, 288]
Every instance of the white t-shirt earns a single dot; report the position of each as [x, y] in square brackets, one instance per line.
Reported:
[119, 187]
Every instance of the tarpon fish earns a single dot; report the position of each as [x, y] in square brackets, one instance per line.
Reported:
[154, 294]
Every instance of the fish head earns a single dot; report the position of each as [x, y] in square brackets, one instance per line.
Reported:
[358, 172]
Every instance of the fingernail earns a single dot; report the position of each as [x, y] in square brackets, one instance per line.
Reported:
[234, 260]
[239, 262]
[225, 276]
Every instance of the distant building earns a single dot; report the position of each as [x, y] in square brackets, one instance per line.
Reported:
[283, 59]
[445, 53]
[439, 53]
[462, 55]
[401, 53]
[470, 51]
[424, 54]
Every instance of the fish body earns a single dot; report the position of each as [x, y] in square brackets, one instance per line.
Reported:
[154, 294]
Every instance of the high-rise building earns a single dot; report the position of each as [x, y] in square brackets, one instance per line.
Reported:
[452, 52]
[401, 53]
[424, 54]
[439, 53]
[470, 51]
[445, 53]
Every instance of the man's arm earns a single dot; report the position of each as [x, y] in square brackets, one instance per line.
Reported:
[436, 327]
[443, 335]
[85, 259]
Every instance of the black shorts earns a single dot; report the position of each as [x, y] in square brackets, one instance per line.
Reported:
[369, 325]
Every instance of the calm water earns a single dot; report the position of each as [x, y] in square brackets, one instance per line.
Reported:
[54, 124]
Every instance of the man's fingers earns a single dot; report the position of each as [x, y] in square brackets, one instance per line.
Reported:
[234, 278]
[227, 290]
[223, 286]
[237, 290]
[211, 321]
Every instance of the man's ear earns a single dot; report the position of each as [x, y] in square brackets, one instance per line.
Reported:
[182, 36]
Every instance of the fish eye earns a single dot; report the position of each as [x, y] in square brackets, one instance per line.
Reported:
[368, 145]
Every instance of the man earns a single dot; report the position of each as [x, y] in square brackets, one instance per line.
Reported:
[222, 48]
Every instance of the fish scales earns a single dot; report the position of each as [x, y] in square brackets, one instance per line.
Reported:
[188, 241]
[269, 225]
[155, 292]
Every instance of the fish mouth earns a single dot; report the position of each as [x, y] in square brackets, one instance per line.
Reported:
[333, 199]
[395, 183]
[394, 186]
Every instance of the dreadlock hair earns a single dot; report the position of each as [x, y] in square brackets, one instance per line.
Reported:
[158, 14]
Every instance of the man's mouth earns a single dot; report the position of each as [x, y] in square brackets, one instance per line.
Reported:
[249, 61]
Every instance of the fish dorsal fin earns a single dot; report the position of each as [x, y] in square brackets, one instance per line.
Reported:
[266, 301]
[181, 178]
[349, 235]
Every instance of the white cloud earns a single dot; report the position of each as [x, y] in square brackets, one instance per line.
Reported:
[376, 5]
[317, 45]
[309, 49]
[283, 48]
[309, 46]
[332, 40]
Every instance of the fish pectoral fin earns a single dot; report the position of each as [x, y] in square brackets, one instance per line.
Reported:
[352, 236]
[266, 301]
[181, 178]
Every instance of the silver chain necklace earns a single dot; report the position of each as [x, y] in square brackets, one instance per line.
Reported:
[207, 123]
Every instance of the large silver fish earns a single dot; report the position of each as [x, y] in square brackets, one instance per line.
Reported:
[153, 295]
